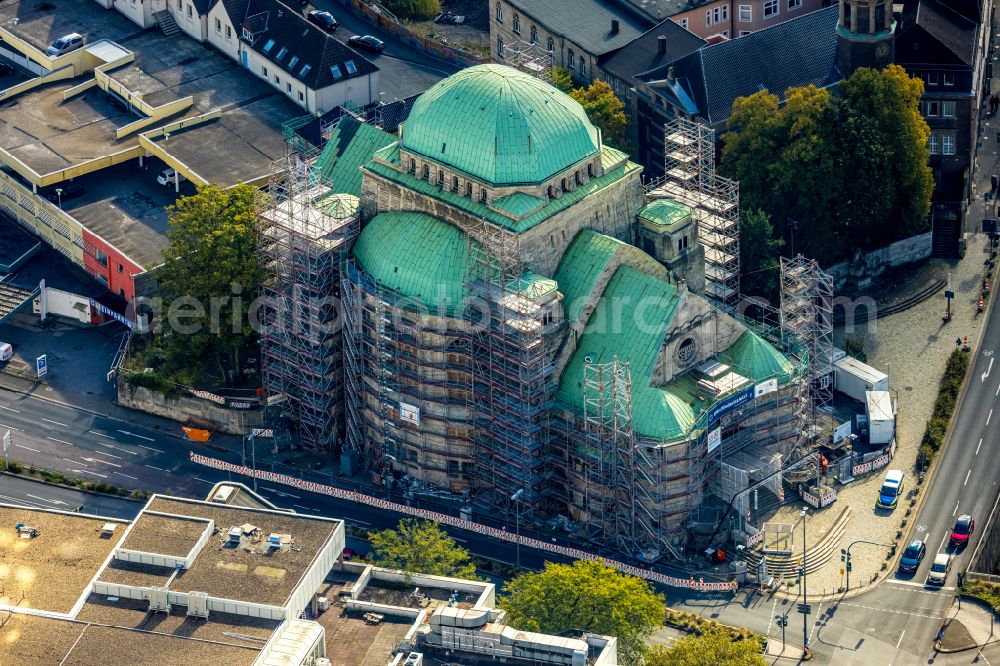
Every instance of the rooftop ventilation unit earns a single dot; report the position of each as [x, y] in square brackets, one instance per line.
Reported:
[157, 599]
[198, 604]
[108, 530]
[235, 535]
[414, 659]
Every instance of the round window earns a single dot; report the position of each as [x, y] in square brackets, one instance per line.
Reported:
[686, 352]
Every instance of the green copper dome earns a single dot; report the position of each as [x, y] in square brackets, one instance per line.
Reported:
[501, 125]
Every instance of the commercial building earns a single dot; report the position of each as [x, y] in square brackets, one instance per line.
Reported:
[505, 338]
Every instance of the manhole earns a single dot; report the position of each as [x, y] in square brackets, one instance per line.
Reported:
[908, 388]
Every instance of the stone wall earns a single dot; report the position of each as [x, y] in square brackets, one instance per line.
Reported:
[182, 408]
[862, 269]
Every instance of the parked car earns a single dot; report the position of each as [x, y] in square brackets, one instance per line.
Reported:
[169, 177]
[5, 69]
[367, 42]
[6, 351]
[964, 527]
[70, 190]
[892, 488]
[939, 570]
[912, 556]
[65, 44]
[324, 20]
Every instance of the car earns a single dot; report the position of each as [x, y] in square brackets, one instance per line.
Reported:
[169, 177]
[65, 44]
[912, 556]
[6, 351]
[892, 488]
[939, 570]
[964, 526]
[367, 42]
[69, 190]
[5, 69]
[324, 20]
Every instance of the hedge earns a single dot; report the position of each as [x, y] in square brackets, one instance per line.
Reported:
[944, 406]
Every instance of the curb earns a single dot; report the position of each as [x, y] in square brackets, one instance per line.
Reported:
[33, 479]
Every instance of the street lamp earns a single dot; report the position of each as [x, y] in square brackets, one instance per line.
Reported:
[59, 195]
[515, 498]
[805, 598]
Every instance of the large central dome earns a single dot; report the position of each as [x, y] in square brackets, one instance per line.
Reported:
[501, 125]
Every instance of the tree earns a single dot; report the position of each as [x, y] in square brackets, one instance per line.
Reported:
[562, 79]
[589, 596]
[414, 10]
[711, 648]
[421, 547]
[211, 263]
[849, 168]
[605, 111]
[758, 255]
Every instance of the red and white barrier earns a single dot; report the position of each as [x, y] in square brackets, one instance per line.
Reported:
[881, 461]
[451, 521]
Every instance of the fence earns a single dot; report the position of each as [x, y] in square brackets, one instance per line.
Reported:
[451, 521]
[410, 38]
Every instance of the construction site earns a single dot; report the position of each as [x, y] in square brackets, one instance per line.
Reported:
[505, 339]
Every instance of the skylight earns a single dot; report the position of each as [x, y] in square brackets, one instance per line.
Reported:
[294, 61]
[305, 69]
[281, 54]
[268, 46]
[351, 69]
[335, 70]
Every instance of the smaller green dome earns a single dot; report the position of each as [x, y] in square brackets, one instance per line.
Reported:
[500, 125]
[415, 255]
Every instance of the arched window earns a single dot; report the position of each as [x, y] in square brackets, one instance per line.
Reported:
[571, 60]
[468, 190]
[426, 172]
[590, 170]
[517, 24]
[552, 45]
[413, 165]
[534, 35]
[499, 13]
[454, 183]
[440, 177]
[482, 195]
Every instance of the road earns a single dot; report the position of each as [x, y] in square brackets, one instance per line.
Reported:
[36, 494]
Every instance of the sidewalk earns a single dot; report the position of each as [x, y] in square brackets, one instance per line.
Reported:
[968, 627]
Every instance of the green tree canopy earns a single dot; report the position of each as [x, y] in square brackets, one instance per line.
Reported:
[712, 648]
[848, 167]
[210, 274]
[590, 596]
[758, 255]
[562, 78]
[421, 547]
[605, 111]
[414, 10]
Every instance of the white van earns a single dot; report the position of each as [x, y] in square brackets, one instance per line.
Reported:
[168, 177]
[6, 351]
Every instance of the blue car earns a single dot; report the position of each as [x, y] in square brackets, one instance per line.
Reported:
[912, 556]
[892, 488]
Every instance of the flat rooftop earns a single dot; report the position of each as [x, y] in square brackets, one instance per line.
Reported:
[351, 641]
[248, 573]
[48, 134]
[51, 571]
[164, 535]
[28, 640]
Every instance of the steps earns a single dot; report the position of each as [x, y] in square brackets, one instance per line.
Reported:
[11, 298]
[786, 566]
[944, 239]
[166, 21]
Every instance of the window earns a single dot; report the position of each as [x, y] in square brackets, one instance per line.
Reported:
[717, 15]
[517, 24]
[932, 108]
[190, 11]
[277, 80]
[933, 144]
[425, 172]
[500, 47]
[794, 4]
[263, 71]
[288, 87]
[121, 268]
[468, 190]
[682, 243]
[302, 96]
[583, 66]
[684, 23]
[770, 8]
[746, 13]
[708, 18]
[293, 62]
[948, 109]
[499, 13]
[932, 79]
[725, 33]
[454, 183]
[101, 257]
[725, 12]
[268, 46]
[571, 60]
[413, 165]
[305, 70]
[947, 144]
[534, 35]
[440, 177]
[949, 79]
[335, 70]
[281, 54]
[229, 32]
[552, 45]
[744, 33]
[482, 195]
[590, 171]
[218, 26]
[351, 67]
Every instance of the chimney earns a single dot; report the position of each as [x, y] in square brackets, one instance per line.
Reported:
[661, 44]
[670, 73]
[614, 26]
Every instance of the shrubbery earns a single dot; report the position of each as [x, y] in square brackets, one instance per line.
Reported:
[944, 406]
[414, 10]
[988, 592]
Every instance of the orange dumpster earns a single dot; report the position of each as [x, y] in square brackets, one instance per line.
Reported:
[196, 434]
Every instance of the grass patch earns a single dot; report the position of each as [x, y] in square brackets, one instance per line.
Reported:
[72, 481]
[693, 623]
[984, 591]
[944, 406]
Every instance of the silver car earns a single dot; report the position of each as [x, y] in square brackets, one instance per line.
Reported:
[939, 570]
[66, 44]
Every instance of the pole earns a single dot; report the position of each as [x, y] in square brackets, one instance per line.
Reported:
[517, 530]
[253, 457]
[805, 598]
[784, 624]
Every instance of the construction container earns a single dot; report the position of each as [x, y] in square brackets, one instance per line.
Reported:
[881, 420]
[854, 378]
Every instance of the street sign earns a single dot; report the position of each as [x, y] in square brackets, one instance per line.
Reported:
[42, 366]
[6, 441]
[805, 609]
[949, 294]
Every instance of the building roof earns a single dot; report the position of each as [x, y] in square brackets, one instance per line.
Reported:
[951, 29]
[665, 212]
[660, 9]
[752, 356]
[514, 128]
[585, 22]
[302, 49]
[642, 54]
[351, 144]
[797, 52]
[416, 255]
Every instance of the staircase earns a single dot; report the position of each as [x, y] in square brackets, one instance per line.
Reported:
[166, 21]
[13, 298]
[786, 566]
[944, 239]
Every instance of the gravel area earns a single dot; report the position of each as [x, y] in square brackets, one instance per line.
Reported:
[165, 535]
[894, 344]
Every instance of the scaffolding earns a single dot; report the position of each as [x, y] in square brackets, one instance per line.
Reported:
[807, 316]
[511, 378]
[530, 57]
[301, 247]
[690, 178]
